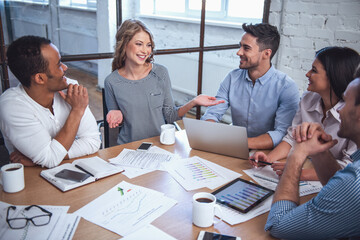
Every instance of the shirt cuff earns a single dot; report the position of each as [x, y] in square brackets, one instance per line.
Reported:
[207, 117]
[278, 209]
[276, 137]
[289, 140]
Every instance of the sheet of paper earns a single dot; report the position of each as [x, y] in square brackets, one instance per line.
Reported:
[195, 172]
[148, 232]
[126, 208]
[132, 172]
[61, 225]
[141, 159]
[233, 217]
[266, 177]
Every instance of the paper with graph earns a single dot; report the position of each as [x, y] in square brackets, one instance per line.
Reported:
[195, 172]
[126, 208]
[265, 176]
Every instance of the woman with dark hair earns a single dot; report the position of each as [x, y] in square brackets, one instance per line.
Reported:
[138, 91]
[331, 72]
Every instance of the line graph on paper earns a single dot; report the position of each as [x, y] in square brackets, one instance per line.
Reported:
[126, 208]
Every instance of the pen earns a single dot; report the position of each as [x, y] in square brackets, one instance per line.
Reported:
[77, 166]
[263, 162]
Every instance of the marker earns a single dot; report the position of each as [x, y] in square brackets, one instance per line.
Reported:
[263, 162]
[77, 166]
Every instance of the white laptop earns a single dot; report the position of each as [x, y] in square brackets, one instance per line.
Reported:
[217, 138]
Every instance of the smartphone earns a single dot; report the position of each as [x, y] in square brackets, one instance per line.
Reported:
[215, 236]
[144, 146]
[72, 175]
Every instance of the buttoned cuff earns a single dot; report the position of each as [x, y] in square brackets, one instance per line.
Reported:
[278, 209]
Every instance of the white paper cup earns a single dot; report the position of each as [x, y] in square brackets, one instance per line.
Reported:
[167, 135]
[12, 177]
[203, 213]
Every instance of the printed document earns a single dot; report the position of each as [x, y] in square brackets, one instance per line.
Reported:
[195, 172]
[265, 176]
[148, 232]
[233, 217]
[61, 225]
[126, 208]
[141, 159]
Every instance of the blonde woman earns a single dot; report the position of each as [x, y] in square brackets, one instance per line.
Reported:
[138, 91]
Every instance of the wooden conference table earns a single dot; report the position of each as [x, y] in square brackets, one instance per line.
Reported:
[177, 221]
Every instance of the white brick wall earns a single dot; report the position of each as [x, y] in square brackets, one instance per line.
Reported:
[309, 25]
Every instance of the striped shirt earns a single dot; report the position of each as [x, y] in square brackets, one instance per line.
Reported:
[333, 213]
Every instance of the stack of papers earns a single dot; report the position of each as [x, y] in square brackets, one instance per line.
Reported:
[61, 225]
[195, 172]
[126, 208]
[138, 163]
[266, 177]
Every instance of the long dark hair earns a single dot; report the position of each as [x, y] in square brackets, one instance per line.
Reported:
[340, 64]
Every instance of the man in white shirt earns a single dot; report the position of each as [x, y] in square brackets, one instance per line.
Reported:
[41, 123]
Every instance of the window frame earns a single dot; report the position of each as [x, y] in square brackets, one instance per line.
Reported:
[220, 16]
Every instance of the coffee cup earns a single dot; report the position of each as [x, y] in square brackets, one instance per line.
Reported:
[167, 135]
[204, 205]
[12, 177]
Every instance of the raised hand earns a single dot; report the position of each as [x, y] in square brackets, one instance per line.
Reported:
[114, 118]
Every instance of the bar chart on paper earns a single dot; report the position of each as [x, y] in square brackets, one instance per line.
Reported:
[194, 173]
[199, 171]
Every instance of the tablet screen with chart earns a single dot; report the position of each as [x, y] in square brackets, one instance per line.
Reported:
[242, 195]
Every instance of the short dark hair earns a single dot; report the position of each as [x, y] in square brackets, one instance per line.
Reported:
[340, 64]
[25, 59]
[266, 34]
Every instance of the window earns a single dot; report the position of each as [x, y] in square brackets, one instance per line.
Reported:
[32, 1]
[85, 4]
[217, 10]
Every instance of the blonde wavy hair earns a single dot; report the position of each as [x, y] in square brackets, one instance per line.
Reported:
[125, 33]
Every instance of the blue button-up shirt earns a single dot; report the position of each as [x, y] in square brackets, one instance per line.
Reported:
[268, 106]
[333, 213]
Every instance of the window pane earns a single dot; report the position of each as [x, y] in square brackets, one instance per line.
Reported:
[211, 5]
[170, 6]
[173, 34]
[242, 8]
[183, 83]
[79, 2]
[146, 6]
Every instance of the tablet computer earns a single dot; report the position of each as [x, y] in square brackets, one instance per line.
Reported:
[242, 195]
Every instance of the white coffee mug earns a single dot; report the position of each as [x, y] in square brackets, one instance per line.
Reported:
[167, 135]
[204, 205]
[12, 177]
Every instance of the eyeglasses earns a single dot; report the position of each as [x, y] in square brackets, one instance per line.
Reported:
[21, 222]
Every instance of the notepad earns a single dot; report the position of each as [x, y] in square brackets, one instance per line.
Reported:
[95, 166]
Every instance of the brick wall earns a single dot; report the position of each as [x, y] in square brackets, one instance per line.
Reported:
[309, 25]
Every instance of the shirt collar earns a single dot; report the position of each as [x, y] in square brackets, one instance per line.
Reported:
[264, 78]
[316, 106]
[356, 155]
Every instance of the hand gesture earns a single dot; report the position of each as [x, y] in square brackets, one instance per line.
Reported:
[306, 130]
[205, 100]
[258, 157]
[77, 97]
[114, 118]
[317, 142]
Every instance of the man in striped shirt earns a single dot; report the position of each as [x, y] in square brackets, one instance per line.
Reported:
[335, 211]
